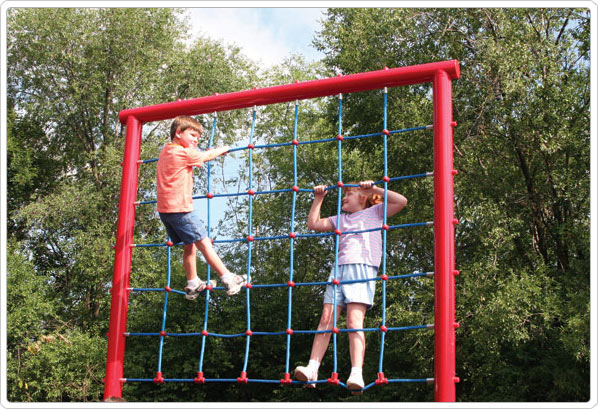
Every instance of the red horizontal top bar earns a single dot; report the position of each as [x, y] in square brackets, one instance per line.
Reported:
[393, 77]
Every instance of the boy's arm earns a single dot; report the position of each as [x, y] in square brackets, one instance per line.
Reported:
[206, 156]
[314, 221]
[395, 201]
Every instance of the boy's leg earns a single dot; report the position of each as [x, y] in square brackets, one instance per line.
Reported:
[205, 246]
[194, 284]
[189, 261]
[232, 282]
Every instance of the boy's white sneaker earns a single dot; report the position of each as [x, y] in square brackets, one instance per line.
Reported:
[191, 293]
[234, 286]
[355, 384]
[306, 374]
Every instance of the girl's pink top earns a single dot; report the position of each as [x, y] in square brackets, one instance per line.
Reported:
[362, 248]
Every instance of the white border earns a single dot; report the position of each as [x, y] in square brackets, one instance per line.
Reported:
[374, 3]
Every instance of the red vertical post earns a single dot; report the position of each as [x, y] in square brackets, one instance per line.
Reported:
[122, 262]
[444, 335]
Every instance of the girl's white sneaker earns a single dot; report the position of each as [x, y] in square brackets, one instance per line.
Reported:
[306, 374]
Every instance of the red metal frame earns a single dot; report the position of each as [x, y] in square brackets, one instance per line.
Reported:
[440, 74]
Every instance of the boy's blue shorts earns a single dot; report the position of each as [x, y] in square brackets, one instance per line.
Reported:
[360, 292]
[183, 227]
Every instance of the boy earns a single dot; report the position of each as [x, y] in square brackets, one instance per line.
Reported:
[175, 204]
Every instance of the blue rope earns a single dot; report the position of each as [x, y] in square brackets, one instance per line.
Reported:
[313, 283]
[263, 192]
[308, 332]
[338, 217]
[164, 309]
[207, 302]
[291, 254]
[383, 334]
[396, 226]
[249, 230]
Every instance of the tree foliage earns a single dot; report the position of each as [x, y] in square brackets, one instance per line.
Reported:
[522, 151]
[522, 199]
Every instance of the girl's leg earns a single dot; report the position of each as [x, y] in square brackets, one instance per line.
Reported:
[321, 340]
[355, 316]
[319, 347]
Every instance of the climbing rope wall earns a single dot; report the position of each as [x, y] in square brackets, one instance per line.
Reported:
[438, 73]
[293, 191]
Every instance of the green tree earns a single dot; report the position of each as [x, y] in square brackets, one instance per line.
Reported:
[522, 150]
[65, 90]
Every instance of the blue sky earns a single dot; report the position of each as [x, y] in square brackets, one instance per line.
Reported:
[265, 34]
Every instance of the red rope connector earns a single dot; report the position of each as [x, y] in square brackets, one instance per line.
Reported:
[339, 137]
[384, 277]
[167, 289]
[249, 238]
[209, 287]
[292, 235]
[209, 195]
[158, 378]
[333, 378]
[242, 378]
[169, 243]
[289, 331]
[381, 379]
[251, 146]
[162, 333]
[204, 333]
[385, 227]
[336, 281]
[251, 192]
[338, 232]
[385, 179]
[385, 132]
[291, 284]
[340, 184]
[295, 142]
[248, 285]
[199, 378]
[335, 330]
[383, 328]
[249, 333]
[287, 379]
[295, 188]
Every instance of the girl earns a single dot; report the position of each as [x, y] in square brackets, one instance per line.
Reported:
[359, 257]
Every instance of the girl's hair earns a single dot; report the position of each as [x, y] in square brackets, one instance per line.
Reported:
[182, 122]
[372, 199]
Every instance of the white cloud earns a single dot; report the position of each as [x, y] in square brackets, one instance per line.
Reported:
[264, 34]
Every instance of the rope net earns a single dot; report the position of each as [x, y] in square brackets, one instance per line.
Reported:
[290, 284]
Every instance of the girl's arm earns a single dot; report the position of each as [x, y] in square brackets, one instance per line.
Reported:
[395, 201]
[314, 221]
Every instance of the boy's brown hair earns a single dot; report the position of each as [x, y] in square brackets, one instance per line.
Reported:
[373, 199]
[182, 122]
